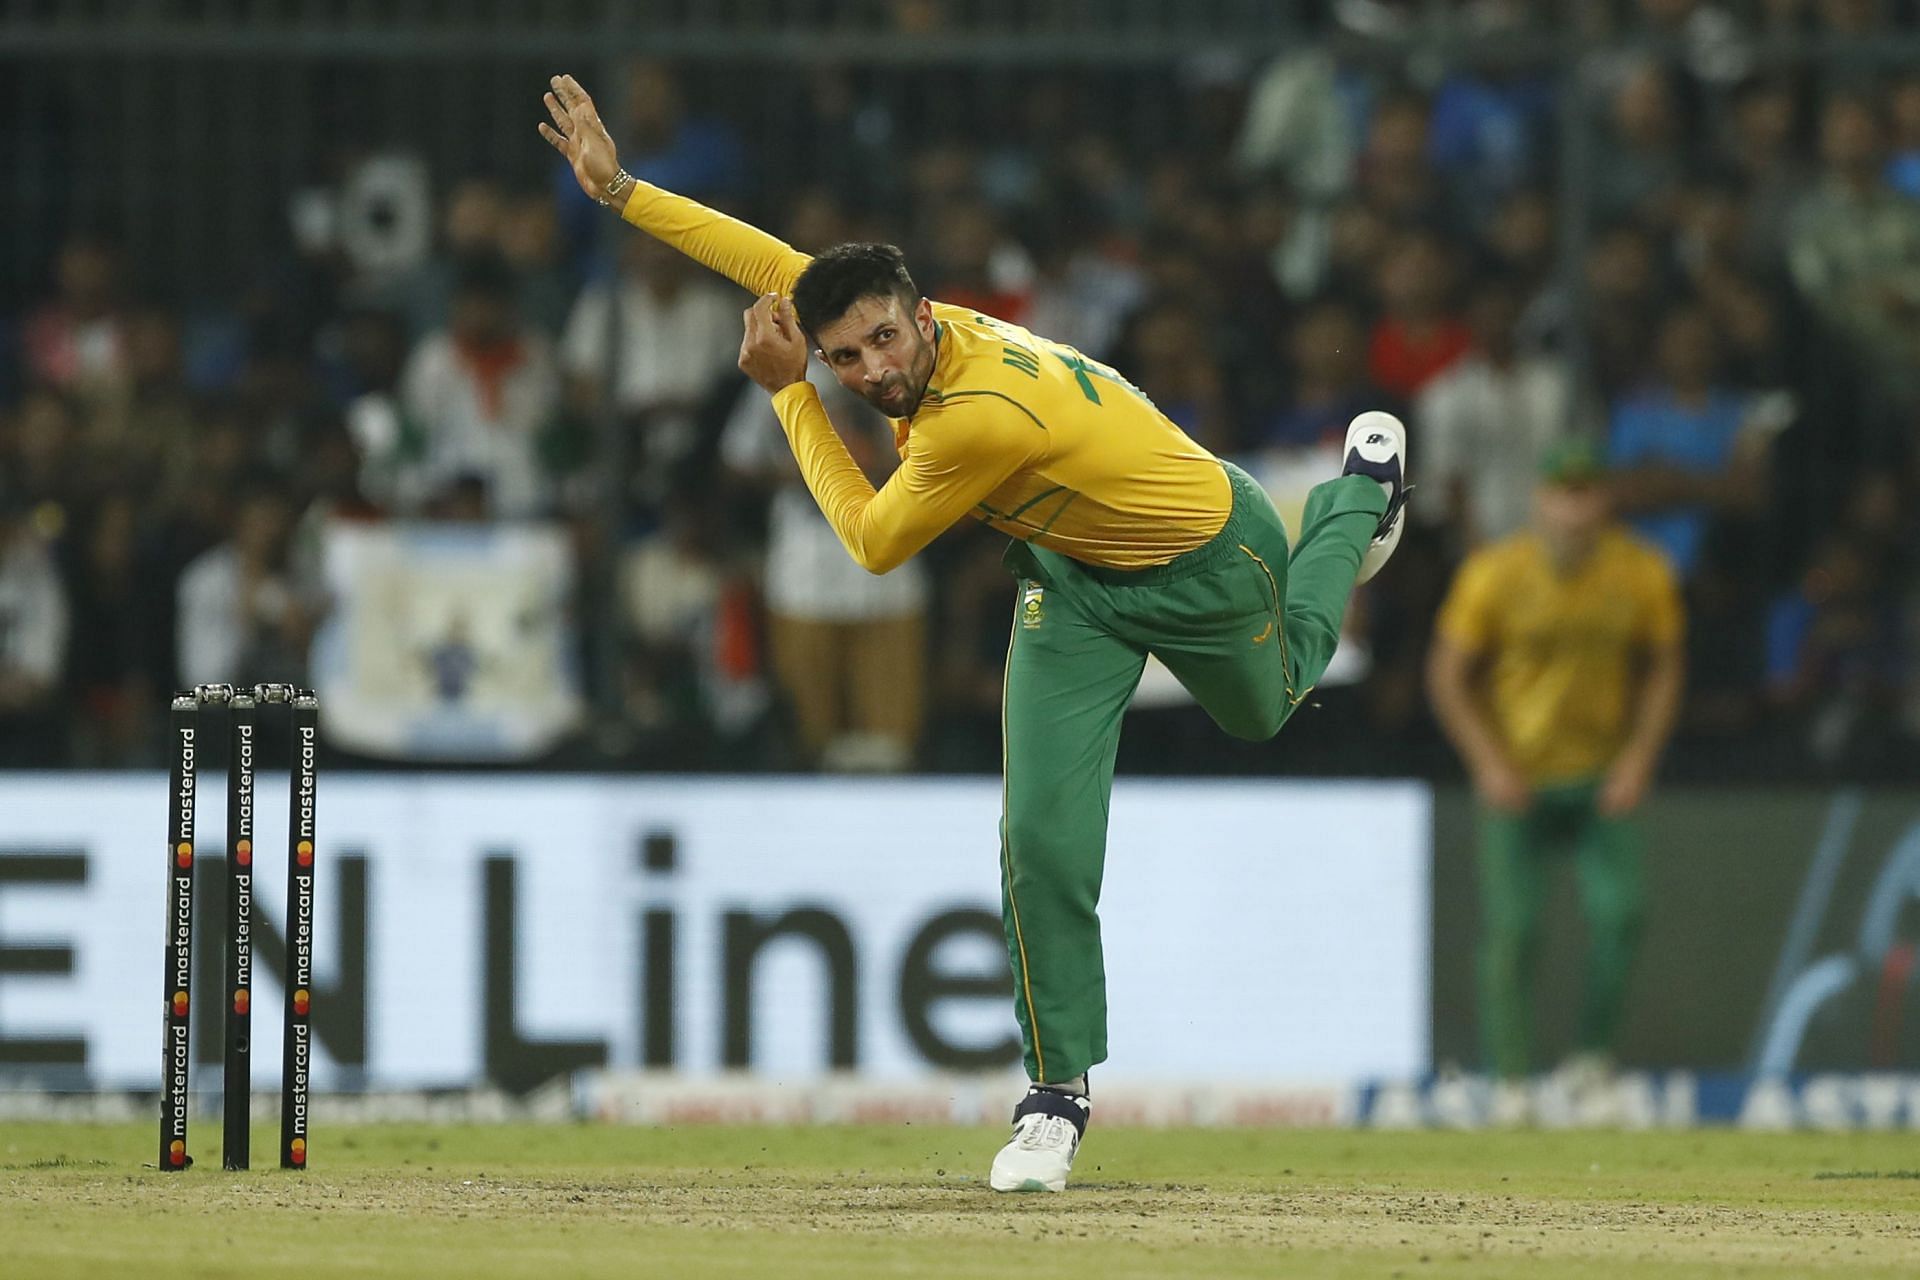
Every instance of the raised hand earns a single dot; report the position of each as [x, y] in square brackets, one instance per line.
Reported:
[577, 134]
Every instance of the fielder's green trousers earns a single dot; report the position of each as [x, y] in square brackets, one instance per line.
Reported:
[1245, 626]
[1515, 849]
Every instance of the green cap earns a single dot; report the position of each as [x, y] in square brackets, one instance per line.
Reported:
[1574, 461]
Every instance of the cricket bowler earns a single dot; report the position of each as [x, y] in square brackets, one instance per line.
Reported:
[1128, 539]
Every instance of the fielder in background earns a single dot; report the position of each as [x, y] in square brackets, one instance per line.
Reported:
[1129, 539]
[1556, 672]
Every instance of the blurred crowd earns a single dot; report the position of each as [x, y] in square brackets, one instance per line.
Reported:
[1721, 283]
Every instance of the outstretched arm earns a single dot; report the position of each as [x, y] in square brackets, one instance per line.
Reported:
[744, 254]
[942, 478]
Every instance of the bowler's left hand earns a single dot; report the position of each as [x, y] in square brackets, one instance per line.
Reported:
[774, 351]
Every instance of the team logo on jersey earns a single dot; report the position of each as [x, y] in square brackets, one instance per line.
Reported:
[1031, 601]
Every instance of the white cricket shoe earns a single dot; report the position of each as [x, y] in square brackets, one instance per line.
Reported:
[1047, 1128]
[1377, 449]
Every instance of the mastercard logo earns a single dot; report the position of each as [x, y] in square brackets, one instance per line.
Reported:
[240, 1002]
[301, 1000]
[298, 1150]
[179, 1004]
[177, 1153]
[183, 854]
[304, 851]
[243, 853]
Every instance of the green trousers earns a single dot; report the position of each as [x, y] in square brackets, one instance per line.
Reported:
[1515, 849]
[1245, 627]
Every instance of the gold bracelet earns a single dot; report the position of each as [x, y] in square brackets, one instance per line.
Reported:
[621, 181]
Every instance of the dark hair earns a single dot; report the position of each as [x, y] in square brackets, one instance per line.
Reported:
[843, 275]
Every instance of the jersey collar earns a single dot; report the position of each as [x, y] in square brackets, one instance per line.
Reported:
[940, 349]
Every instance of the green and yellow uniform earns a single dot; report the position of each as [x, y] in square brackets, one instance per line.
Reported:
[1129, 539]
[1563, 651]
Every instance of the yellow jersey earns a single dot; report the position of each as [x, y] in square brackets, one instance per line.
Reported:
[1025, 434]
[1563, 649]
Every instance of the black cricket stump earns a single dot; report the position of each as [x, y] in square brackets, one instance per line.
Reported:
[237, 1080]
[243, 710]
[297, 1045]
[177, 1040]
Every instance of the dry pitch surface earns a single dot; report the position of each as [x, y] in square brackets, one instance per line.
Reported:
[560, 1202]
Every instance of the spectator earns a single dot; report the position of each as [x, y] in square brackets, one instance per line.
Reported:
[1082, 288]
[1765, 162]
[129, 421]
[1837, 657]
[482, 394]
[1855, 250]
[114, 667]
[470, 229]
[77, 341]
[1624, 290]
[1418, 335]
[679, 333]
[1710, 248]
[1029, 128]
[1175, 267]
[366, 369]
[1487, 132]
[841, 137]
[1688, 446]
[151, 441]
[1706, 34]
[674, 148]
[1296, 127]
[1167, 354]
[1485, 424]
[974, 264]
[1638, 173]
[972, 612]
[33, 641]
[41, 460]
[849, 649]
[362, 354]
[1246, 256]
[693, 673]
[1520, 243]
[530, 242]
[1396, 180]
[1097, 171]
[1330, 385]
[1903, 166]
[240, 618]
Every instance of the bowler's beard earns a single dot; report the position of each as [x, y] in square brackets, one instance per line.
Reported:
[899, 394]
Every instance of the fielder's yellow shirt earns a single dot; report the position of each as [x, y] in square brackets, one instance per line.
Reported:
[1563, 651]
[1025, 434]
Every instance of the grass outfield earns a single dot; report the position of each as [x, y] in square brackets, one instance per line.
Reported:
[482, 1202]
